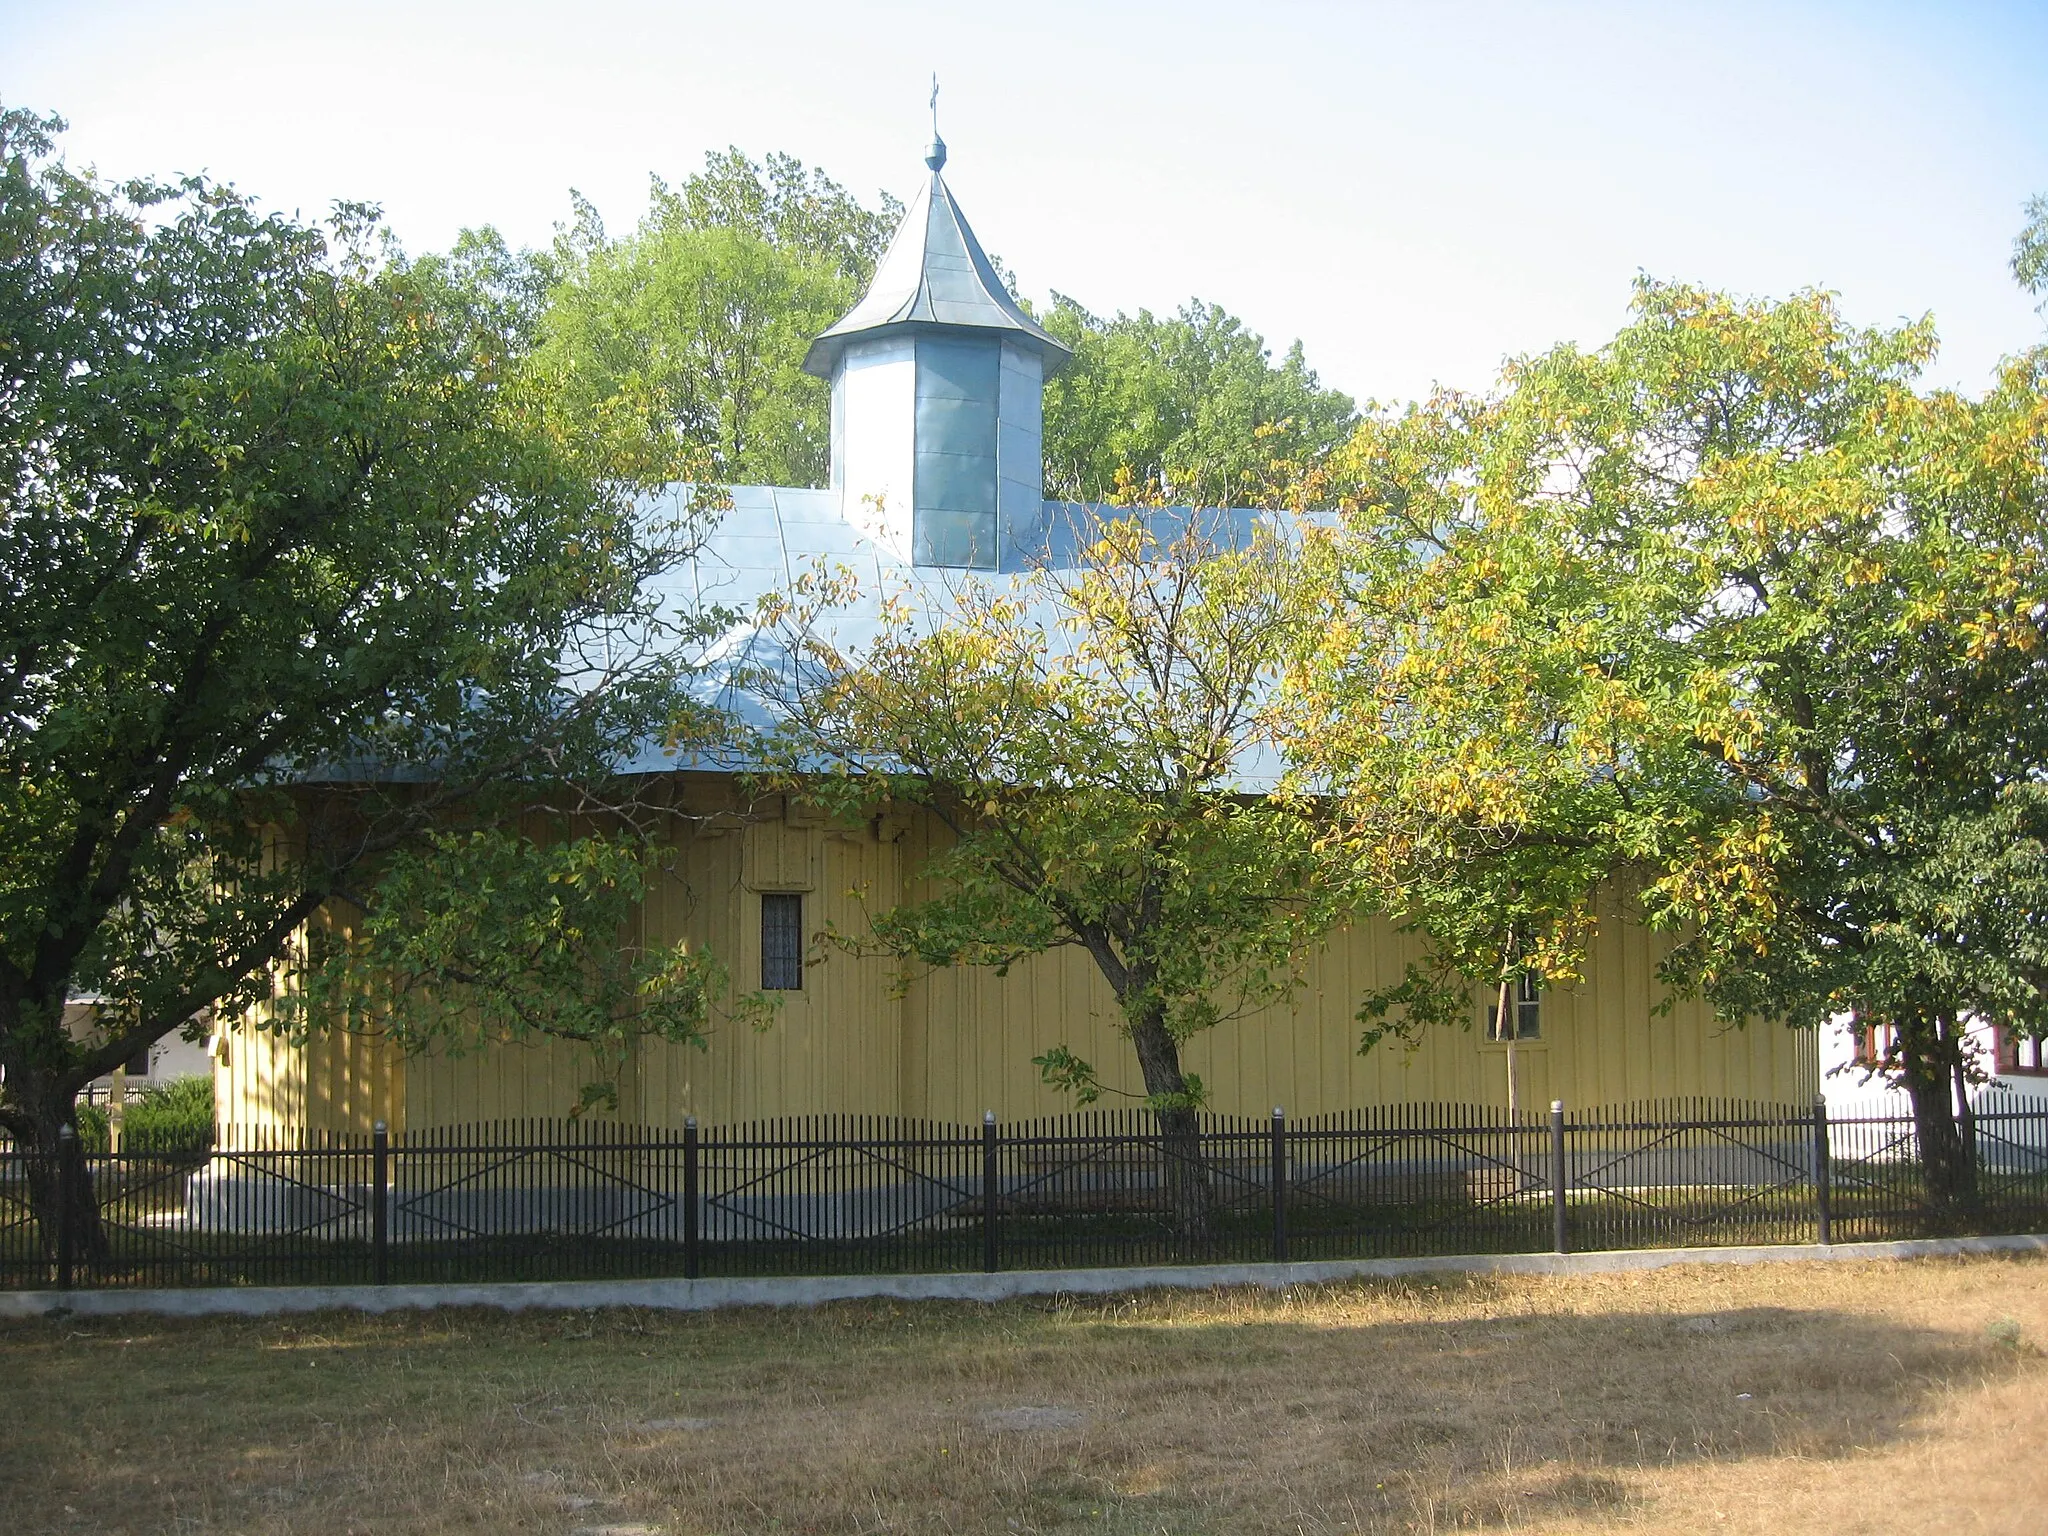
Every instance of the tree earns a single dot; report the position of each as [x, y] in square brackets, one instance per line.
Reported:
[679, 348]
[1190, 408]
[298, 572]
[791, 208]
[1089, 737]
[2030, 250]
[1731, 609]
[1444, 717]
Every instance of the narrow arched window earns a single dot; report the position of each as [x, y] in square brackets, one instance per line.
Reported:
[782, 942]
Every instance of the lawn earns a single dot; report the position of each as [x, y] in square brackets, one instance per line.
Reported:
[1842, 1398]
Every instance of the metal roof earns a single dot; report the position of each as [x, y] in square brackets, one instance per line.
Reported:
[774, 534]
[935, 276]
[770, 536]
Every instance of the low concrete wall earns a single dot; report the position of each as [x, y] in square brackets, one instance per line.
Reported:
[803, 1291]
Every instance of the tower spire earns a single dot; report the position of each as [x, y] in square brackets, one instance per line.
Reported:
[935, 277]
[937, 391]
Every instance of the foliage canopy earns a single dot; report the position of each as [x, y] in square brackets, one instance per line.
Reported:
[296, 566]
[678, 349]
[1189, 409]
[1729, 608]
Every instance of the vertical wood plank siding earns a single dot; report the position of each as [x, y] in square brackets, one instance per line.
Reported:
[950, 1044]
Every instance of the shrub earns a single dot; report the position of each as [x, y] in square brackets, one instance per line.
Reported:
[166, 1118]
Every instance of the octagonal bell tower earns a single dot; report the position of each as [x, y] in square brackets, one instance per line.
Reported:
[937, 376]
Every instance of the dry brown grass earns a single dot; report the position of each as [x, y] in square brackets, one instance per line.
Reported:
[1854, 1398]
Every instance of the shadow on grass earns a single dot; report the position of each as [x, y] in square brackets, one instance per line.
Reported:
[1501, 1416]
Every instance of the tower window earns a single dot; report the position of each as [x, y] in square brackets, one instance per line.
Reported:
[1526, 1017]
[782, 942]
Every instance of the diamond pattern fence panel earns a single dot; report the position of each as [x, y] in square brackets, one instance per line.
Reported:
[1089, 1190]
[1874, 1177]
[26, 1259]
[838, 1195]
[562, 1200]
[1401, 1180]
[1692, 1173]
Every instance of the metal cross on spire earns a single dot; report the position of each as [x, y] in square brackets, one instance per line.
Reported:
[935, 153]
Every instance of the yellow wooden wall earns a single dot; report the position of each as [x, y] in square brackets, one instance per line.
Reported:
[341, 1083]
[336, 1083]
[957, 1042]
[969, 1038]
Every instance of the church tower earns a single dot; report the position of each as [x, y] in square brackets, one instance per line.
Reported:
[937, 409]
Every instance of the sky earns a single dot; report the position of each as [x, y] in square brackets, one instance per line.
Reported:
[1416, 191]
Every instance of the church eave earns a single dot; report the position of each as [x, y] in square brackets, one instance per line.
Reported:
[824, 352]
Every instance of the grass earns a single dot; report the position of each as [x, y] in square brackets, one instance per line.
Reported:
[1873, 1397]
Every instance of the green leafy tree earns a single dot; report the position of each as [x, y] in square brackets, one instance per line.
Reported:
[1085, 736]
[295, 569]
[1446, 717]
[1190, 408]
[794, 209]
[2030, 251]
[679, 348]
[1731, 609]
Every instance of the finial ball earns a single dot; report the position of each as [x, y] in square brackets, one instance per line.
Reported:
[935, 153]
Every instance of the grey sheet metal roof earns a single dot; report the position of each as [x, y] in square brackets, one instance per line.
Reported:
[773, 534]
[935, 275]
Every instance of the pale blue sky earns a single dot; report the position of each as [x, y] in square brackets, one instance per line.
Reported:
[1416, 190]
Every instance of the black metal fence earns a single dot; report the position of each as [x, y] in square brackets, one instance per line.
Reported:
[568, 1200]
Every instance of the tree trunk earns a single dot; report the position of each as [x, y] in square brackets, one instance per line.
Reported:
[60, 1182]
[1948, 1168]
[1191, 1193]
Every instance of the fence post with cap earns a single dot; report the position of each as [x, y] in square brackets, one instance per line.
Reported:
[380, 1202]
[67, 1155]
[691, 1258]
[1560, 1238]
[1822, 1192]
[991, 1257]
[1278, 1175]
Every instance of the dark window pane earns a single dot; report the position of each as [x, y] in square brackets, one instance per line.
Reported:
[1525, 1019]
[782, 943]
[138, 1064]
